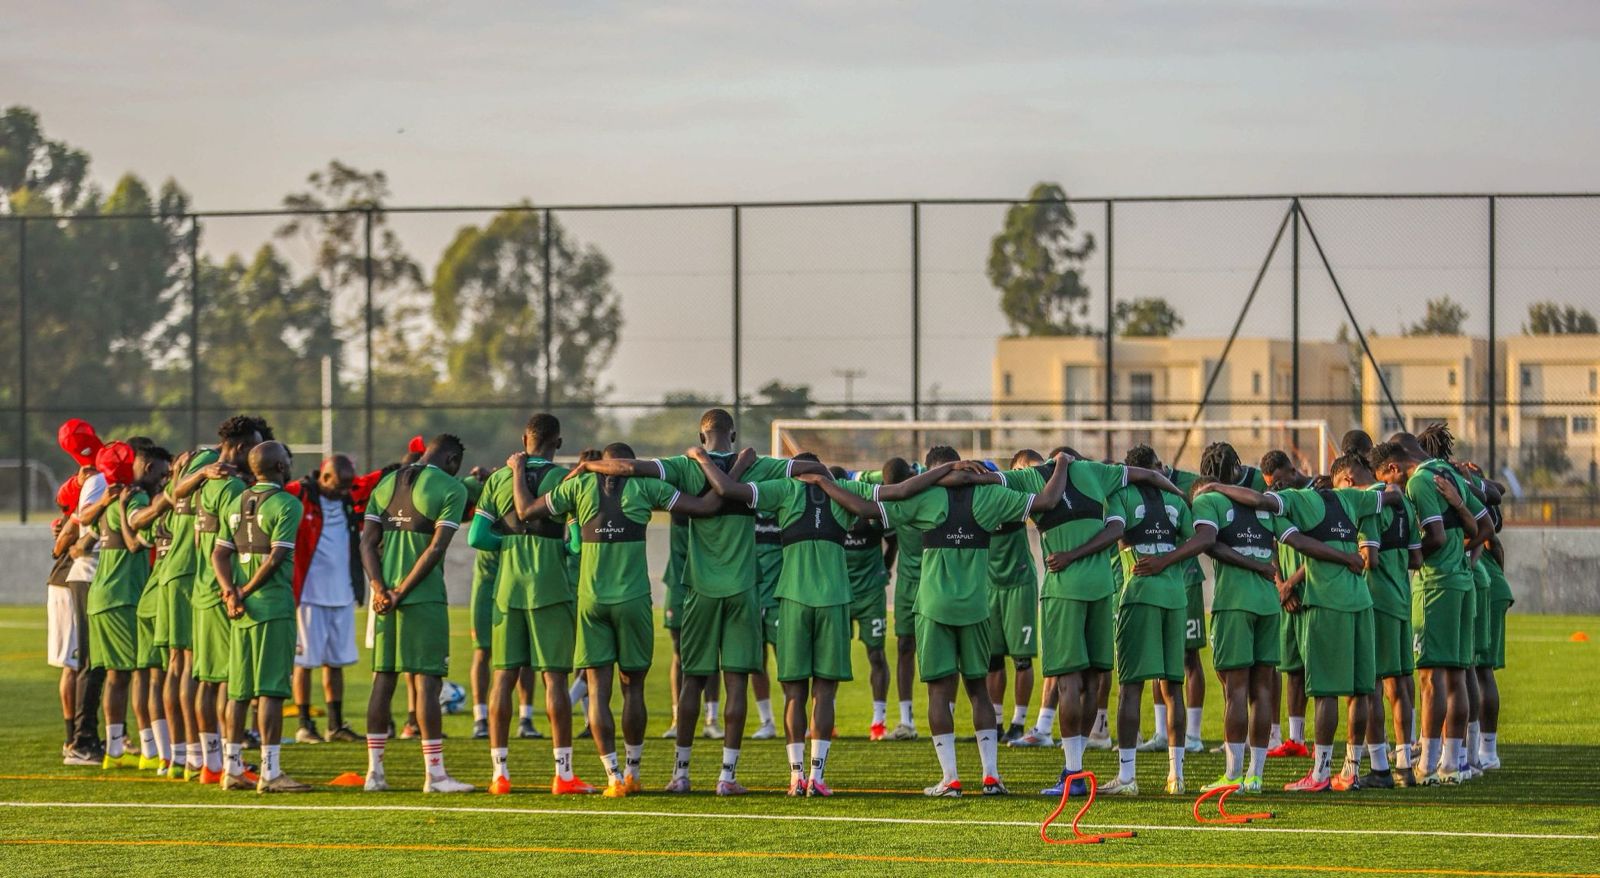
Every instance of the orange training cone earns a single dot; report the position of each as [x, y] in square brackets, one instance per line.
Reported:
[1579, 637]
[348, 779]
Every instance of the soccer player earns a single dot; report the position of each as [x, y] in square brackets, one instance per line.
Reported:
[907, 577]
[1013, 613]
[410, 520]
[253, 562]
[1245, 617]
[327, 573]
[1076, 616]
[1391, 546]
[720, 628]
[868, 569]
[532, 600]
[615, 620]
[64, 637]
[76, 540]
[149, 678]
[1280, 471]
[1500, 601]
[1336, 639]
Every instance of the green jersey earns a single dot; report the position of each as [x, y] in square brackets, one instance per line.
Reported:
[953, 526]
[721, 557]
[1446, 567]
[677, 552]
[1499, 586]
[613, 513]
[182, 561]
[120, 578]
[812, 528]
[277, 520]
[863, 555]
[1252, 533]
[1077, 518]
[908, 544]
[216, 498]
[1156, 523]
[1392, 534]
[1334, 518]
[410, 504]
[1185, 481]
[533, 569]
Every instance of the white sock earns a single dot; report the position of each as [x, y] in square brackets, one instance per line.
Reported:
[819, 757]
[989, 752]
[1460, 751]
[1235, 760]
[147, 744]
[233, 754]
[563, 757]
[1352, 758]
[1046, 723]
[1258, 761]
[613, 768]
[525, 712]
[197, 758]
[633, 757]
[1297, 729]
[1274, 736]
[1175, 761]
[500, 758]
[180, 753]
[1161, 722]
[579, 690]
[944, 747]
[211, 747]
[375, 745]
[1322, 769]
[1430, 754]
[1474, 736]
[906, 719]
[999, 711]
[1072, 749]
[764, 709]
[480, 712]
[1019, 714]
[114, 739]
[680, 766]
[1402, 756]
[1127, 761]
[730, 764]
[880, 712]
[163, 733]
[270, 766]
[433, 758]
[1194, 715]
[711, 711]
[1101, 727]
[1488, 747]
[797, 760]
[1380, 756]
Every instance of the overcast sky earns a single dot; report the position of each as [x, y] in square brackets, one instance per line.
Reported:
[628, 102]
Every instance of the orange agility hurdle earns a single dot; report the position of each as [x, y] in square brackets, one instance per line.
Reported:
[1222, 794]
[1078, 836]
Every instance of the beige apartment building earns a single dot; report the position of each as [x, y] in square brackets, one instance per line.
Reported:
[1552, 388]
[1435, 378]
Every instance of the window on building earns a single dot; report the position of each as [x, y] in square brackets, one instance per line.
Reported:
[1255, 383]
[1527, 377]
[1005, 381]
[1451, 379]
[1583, 424]
[1142, 393]
[1392, 425]
[1505, 423]
[1594, 381]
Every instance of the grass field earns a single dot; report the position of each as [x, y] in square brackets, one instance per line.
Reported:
[1540, 815]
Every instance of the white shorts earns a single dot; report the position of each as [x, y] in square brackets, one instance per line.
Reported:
[327, 636]
[62, 640]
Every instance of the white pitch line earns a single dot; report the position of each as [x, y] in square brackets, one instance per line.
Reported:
[819, 818]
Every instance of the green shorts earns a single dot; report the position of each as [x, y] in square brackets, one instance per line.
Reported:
[1149, 643]
[1337, 646]
[1194, 617]
[483, 615]
[944, 650]
[1392, 646]
[1014, 621]
[1078, 635]
[672, 618]
[905, 597]
[413, 639]
[616, 634]
[179, 614]
[813, 642]
[149, 652]
[1241, 639]
[1289, 658]
[213, 632]
[114, 639]
[261, 659]
[720, 634]
[153, 606]
[541, 639]
[769, 628]
[1482, 627]
[870, 613]
[1444, 639]
[1497, 633]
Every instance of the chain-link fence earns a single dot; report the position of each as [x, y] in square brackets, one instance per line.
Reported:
[356, 329]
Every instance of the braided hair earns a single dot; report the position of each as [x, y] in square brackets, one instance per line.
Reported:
[1437, 440]
[1219, 462]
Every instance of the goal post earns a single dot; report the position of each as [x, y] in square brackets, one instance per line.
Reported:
[866, 444]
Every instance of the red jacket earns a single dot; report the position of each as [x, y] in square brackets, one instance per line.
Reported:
[310, 530]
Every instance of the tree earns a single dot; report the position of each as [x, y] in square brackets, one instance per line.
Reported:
[1146, 318]
[1442, 317]
[35, 166]
[1551, 318]
[674, 427]
[1036, 262]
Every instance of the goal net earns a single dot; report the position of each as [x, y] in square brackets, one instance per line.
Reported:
[866, 444]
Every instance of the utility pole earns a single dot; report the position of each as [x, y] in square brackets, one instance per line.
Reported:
[850, 376]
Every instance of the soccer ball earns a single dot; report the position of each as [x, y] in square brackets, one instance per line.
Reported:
[452, 697]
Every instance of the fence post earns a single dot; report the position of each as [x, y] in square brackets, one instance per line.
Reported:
[548, 305]
[366, 270]
[1494, 421]
[916, 311]
[194, 332]
[738, 400]
[22, 369]
[1294, 326]
[1111, 332]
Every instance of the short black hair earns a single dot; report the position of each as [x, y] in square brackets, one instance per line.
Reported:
[618, 451]
[838, 472]
[896, 470]
[138, 442]
[941, 454]
[808, 455]
[1026, 454]
[239, 429]
[544, 428]
[1437, 440]
[448, 444]
[716, 421]
[1219, 462]
[264, 428]
[590, 454]
[1355, 442]
[1348, 462]
[1142, 456]
[150, 452]
[1385, 453]
[1068, 450]
[1275, 460]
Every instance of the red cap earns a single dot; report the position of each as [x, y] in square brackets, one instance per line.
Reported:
[417, 445]
[77, 438]
[115, 462]
[67, 494]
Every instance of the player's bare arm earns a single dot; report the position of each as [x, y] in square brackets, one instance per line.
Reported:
[1054, 488]
[1313, 548]
[1108, 536]
[1205, 536]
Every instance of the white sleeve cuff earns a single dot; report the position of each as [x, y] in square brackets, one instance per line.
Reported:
[755, 495]
[1368, 544]
[883, 512]
[1290, 531]
[280, 544]
[1431, 519]
[674, 501]
[1417, 546]
[1027, 507]
[1002, 475]
[1200, 521]
[485, 514]
[222, 542]
[449, 524]
[370, 517]
[1117, 518]
[788, 468]
[1277, 498]
[661, 468]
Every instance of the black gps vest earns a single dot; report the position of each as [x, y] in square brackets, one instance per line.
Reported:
[1398, 534]
[1246, 530]
[1157, 528]
[111, 537]
[543, 526]
[767, 531]
[1335, 525]
[729, 507]
[863, 535]
[960, 529]
[816, 523]
[1073, 506]
[608, 524]
[163, 536]
[250, 538]
[402, 513]
[1451, 518]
